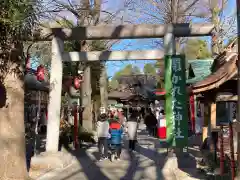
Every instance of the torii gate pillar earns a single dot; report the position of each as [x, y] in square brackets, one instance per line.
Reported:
[54, 105]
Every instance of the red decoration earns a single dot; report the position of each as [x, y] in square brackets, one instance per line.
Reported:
[162, 133]
[192, 111]
[160, 92]
[40, 73]
[162, 129]
[77, 82]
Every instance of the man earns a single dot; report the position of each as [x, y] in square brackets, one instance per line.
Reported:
[151, 123]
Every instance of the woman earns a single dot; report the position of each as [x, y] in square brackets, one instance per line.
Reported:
[132, 125]
[103, 133]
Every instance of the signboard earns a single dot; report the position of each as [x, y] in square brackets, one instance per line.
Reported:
[176, 101]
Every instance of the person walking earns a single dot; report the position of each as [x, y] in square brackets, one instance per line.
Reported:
[151, 123]
[103, 133]
[132, 125]
[116, 131]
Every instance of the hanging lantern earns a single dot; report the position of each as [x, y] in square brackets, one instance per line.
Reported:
[40, 73]
[77, 82]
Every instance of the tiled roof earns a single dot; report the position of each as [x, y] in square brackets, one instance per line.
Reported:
[201, 68]
[223, 74]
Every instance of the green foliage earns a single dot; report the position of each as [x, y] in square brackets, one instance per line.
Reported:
[126, 71]
[17, 15]
[196, 49]
[149, 69]
[113, 84]
[98, 45]
[17, 18]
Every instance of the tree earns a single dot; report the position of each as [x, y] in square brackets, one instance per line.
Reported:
[225, 24]
[17, 17]
[163, 12]
[126, 71]
[149, 69]
[196, 49]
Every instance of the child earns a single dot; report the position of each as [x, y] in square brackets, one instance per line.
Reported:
[103, 132]
[116, 131]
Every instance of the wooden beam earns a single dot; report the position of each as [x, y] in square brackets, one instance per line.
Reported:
[227, 98]
[103, 32]
[113, 55]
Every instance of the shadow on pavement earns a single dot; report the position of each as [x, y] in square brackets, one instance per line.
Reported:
[131, 168]
[88, 166]
[186, 162]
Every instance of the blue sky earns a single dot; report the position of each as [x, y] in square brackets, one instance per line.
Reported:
[113, 67]
[128, 45]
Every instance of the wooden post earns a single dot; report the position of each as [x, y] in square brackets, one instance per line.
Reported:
[213, 115]
[231, 150]
[54, 105]
[206, 122]
[221, 152]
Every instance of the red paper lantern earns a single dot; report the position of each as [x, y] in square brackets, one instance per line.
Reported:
[76, 83]
[40, 73]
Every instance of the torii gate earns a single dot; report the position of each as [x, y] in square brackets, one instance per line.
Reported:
[103, 32]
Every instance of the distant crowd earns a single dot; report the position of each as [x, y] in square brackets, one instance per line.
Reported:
[112, 124]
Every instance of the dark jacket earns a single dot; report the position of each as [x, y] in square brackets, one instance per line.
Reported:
[116, 131]
[133, 117]
[150, 120]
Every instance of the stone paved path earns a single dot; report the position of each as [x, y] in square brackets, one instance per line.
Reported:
[148, 163]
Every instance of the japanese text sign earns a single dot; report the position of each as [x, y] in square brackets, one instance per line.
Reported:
[176, 101]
